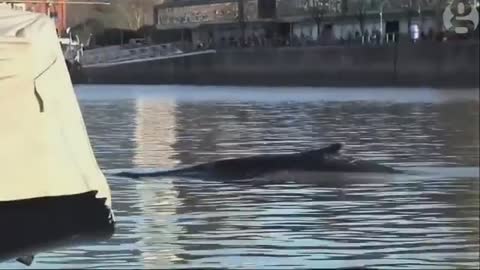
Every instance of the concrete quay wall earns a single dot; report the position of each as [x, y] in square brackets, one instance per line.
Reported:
[453, 64]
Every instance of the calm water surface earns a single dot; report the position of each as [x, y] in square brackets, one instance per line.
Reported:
[428, 219]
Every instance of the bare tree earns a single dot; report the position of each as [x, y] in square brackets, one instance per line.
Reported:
[343, 11]
[241, 20]
[344, 7]
[439, 7]
[415, 8]
[410, 8]
[317, 9]
[361, 14]
[132, 14]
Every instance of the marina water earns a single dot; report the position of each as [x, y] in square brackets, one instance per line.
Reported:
[424, 219]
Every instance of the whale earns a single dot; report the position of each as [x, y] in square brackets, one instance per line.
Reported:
[324, 160]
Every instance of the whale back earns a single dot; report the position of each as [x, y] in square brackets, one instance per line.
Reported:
[259, 164]
[323, 159]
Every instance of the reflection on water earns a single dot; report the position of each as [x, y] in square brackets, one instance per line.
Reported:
[424, 221]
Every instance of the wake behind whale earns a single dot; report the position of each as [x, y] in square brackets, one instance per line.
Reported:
[327, 160]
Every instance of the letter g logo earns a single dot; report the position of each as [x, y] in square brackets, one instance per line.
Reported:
[461, 17]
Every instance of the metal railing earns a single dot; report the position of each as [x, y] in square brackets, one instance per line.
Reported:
[119, 53]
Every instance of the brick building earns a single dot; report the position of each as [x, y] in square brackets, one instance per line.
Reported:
[65, 13]
[57, 10]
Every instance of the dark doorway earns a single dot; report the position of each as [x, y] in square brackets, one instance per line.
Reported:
[327, 33]
[267, 9]
[392, 27]
[284, 30]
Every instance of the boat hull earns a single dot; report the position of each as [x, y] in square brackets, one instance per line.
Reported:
[28, 227]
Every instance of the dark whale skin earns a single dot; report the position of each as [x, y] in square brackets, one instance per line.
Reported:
[325, 159]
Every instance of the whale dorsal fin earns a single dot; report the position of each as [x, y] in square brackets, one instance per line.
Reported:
[333, 148]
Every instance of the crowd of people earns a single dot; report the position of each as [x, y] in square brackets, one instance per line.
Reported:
[368, 38]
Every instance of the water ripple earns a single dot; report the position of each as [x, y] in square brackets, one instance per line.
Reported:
[423, 220]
